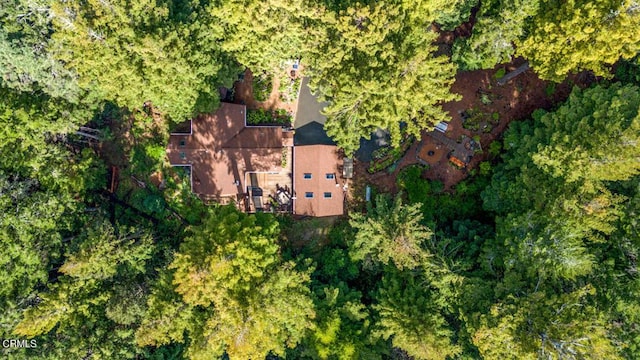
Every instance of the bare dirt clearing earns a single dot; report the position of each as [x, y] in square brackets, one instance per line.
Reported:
[483, 114]
[244, 92]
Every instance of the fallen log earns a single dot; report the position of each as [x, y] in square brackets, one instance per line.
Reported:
[84, 134]
[505, 79]
[88, 129]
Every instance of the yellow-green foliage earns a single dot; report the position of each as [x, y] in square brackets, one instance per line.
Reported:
[574, 35]
[375, 64]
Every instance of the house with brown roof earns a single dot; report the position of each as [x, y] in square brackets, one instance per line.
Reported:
[258, 168]
[318, 184]
[228, 160]
[319, 190]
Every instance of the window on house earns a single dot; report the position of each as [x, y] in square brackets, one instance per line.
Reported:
[327, 195]
[183, 156]
[307, 176]
[308, 195]
[330, 176]
[183, 142]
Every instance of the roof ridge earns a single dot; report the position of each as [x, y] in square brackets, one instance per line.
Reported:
[236, 142]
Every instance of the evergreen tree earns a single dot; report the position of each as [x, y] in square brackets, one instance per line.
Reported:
[261, 35]
[343, 328]
[617, 275]
[571, 36]
[448, 14]
[411, 313]
[74, 307]
[561, 196]
[390, 233]
[499, 24]
[228, 253]
[236, 296]
[547, 270]
[137, 53]
[571, 154]
[376, 67]
[274, 316]
[25, 63]
[167, 317]
[546, 326]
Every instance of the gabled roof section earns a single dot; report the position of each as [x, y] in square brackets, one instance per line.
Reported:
[323, 181]
[221, 148]
[264, 137]
[312, 134]
[219, 127]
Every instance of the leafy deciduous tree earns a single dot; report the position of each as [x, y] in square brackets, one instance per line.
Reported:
[235, 294]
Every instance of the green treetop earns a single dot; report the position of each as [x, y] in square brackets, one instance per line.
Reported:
[376, 67]
[563, 233]
[548, 326]
[343, 328]
[411, 313]
[234, 293]
[574, 35]
[498, 25]
[137, 52]
[261, 34]
[103, 261]
[230, 252]
[572, 153]
[390, 233]
[25, 62]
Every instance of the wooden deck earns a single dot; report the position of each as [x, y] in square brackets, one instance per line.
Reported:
[271, 182]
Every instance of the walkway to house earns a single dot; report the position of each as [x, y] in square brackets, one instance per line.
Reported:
[309, 120]
[309, 107]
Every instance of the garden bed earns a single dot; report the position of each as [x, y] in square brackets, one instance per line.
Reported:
[264, 117]
[265, 91]
[477, 121]
[289, 89]
[387, 156]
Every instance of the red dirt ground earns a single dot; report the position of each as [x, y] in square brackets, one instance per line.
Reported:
[244, 93]
[515, 100]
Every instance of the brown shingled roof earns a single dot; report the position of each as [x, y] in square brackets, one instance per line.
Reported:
[318, 161]
[221, 148]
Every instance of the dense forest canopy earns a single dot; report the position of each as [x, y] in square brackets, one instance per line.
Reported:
[532, 257]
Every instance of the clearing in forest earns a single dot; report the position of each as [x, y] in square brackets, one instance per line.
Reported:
[482, 115]
[276, 91]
